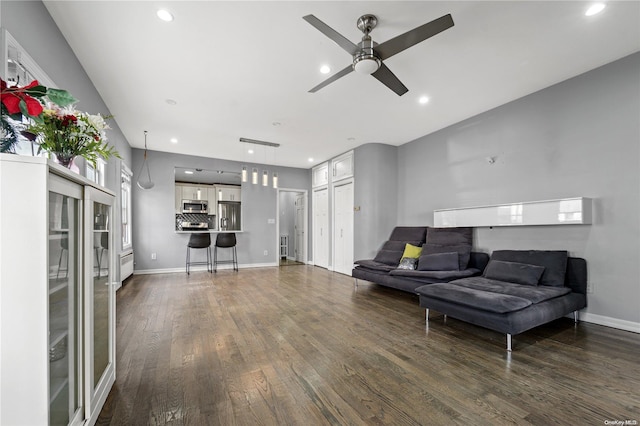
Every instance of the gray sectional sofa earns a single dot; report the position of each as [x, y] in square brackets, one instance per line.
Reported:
[518, 290]
[439, 246]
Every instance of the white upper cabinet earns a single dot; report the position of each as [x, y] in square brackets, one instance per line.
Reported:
[194, 192]
[228, 193]
[342, 166]
[320, 175]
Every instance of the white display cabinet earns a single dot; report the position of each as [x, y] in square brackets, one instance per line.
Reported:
[566, 211]
[57, 305]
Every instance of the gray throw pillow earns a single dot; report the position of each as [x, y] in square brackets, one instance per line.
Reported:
[408, 263]
[513, 272]
[439, 262]
[554, 262]
[463, 250]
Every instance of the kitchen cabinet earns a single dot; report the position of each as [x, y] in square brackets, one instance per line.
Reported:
[212, 198]
[194, 192]
[178, 198]
[57, 345]
[342, 166]
[320, 175]
[229, 193]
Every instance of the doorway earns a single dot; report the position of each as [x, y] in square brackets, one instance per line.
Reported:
[292, 227]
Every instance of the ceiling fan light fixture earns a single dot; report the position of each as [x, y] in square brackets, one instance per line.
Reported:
[366, 64]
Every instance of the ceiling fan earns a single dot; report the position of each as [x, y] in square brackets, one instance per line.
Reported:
[368, 56]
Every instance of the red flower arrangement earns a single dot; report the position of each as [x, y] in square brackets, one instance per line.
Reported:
[16, 103]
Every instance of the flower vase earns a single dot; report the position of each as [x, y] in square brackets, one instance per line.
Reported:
[67, 161]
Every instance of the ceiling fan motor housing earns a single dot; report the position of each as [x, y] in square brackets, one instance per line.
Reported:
[366, 61]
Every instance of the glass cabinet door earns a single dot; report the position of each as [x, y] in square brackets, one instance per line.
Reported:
[99, 297]
[64, 276]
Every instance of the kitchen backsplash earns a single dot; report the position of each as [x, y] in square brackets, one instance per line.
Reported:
[195, 217]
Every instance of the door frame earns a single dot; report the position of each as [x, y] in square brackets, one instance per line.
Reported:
[305, 222]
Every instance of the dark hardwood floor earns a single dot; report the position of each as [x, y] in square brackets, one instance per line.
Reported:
[299, 346]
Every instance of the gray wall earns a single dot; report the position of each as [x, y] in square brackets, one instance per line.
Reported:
[577, 138]
[31, 25]
[154, 213]
[375, 194]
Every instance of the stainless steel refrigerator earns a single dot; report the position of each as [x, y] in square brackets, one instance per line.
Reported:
[229, 216]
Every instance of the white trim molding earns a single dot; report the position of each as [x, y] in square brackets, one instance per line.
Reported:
[610, 322]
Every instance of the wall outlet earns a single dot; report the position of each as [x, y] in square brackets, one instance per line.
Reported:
[266, 252]
[153, 256]
[590, 287]
[271, 221]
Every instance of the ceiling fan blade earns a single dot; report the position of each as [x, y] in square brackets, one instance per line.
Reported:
[333, 78]
[332, 34]
[404, 41]
[389, 79]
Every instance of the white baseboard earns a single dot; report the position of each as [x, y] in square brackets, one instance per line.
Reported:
[199, 268]
[610, 322]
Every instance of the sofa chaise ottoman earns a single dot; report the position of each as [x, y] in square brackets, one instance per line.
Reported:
[518, 290]
[435, 243]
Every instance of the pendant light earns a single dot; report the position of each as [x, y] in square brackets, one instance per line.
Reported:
[142, 183]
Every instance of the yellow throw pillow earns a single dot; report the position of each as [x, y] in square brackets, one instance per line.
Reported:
[412, 251]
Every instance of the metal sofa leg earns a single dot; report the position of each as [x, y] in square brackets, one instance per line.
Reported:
[426, 315]
[575, 316]
[508, 342]
[355, 283]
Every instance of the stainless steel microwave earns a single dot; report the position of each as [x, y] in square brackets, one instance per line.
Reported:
[195, 206]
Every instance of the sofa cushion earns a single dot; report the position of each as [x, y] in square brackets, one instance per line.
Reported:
[554, 262]
[450, 236]
[439, 262]
[412, 251]
[463, 250]
[513, 272]
[376, 266]
[439, 275]
[478, 299]
[408, 263]
[534, 294]
[414, 234]
[390, 253]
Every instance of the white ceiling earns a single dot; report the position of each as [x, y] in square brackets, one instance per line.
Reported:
[235, 68]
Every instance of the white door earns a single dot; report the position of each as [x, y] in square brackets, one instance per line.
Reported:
[343, 228]
[321, 228]
[299, 244]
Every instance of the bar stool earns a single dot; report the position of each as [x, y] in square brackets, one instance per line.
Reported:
[225, 240]
[199, 241]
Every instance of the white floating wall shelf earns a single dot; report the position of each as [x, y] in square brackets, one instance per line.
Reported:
[567, 211]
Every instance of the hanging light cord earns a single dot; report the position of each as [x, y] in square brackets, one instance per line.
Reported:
[148, 184]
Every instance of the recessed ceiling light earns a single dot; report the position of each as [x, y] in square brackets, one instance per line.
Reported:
[250, 151]
[174, 140]
[188, 172]
[594, 9]
[325, 69]
[171, 102]
[423, 100]
[310, 159]
[165, 15]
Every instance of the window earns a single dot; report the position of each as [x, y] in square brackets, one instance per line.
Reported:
[125, 188]
[97, 174]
